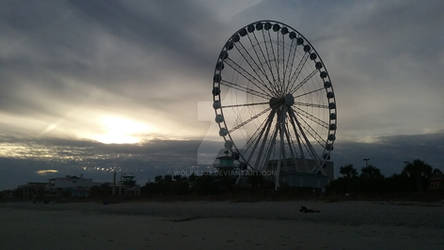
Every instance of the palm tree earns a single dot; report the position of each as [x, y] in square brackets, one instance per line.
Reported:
[371, 172]
[418, 172]
[348, 171]
[371, 179]
[436, 172]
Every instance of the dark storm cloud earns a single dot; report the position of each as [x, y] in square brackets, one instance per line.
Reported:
[383, 56]
[63, 49]
[163, 24]
[389, 153]
[160, 54]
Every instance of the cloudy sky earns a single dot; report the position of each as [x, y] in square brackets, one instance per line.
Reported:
[74, 73]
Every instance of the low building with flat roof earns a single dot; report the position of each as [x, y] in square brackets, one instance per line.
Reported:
[301, 173]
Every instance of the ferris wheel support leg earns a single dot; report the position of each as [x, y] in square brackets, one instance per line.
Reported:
[267, 130]
[270, 148]
[276, 175]
[282, 156]
[290, 118]
[316, 158]
[239, 177]
[304, 136]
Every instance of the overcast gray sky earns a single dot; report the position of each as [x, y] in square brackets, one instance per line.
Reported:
[80, 70]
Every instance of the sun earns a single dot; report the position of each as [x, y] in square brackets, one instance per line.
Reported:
[121, 130]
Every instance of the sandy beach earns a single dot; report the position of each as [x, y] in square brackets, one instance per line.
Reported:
[222, 225]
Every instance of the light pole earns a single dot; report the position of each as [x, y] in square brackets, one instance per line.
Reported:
[366, 161]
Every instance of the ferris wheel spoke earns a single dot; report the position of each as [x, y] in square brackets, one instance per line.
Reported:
[288, 57]
[243, 89]
[311, 117]
[305, 146]
[267, 59]
[298, 70]
[253, 142]
[291, 66]
[244, 104]
[311, 105]
[265, 141]
[312, 132]
[308, 143]
[288, 60]
[289, 140]
[282, 156]
[282, 134]
[281, 57]
[298, 139]
[283, 60]
[274, 58]
[270, 148]
[238, 69]
[303, 82]
[278, 61]
[251, 66]
[256, 133]
[266, 130]
[308, 93]
[240, 125]
[263, 70]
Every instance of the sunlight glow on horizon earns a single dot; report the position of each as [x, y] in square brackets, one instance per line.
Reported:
[121, 130]
[46, 171]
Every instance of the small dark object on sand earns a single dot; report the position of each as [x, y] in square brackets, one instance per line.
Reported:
[307, 210]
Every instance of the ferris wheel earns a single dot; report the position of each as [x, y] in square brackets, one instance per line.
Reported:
[273, 99]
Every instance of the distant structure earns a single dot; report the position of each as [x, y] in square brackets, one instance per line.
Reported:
[72, 186]
[275, 106]
[225, 161]
[299, 173]
[126, 187]
[437, 182]
[32, 189]
[76, 186]
[366, 160]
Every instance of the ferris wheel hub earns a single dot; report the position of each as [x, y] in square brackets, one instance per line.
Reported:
[277, 102]
[289, 100]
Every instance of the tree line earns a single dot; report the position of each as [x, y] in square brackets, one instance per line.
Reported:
[415, 177]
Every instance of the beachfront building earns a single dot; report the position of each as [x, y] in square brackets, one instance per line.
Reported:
[437, 182]
[32, 190]
[299, 173]
[226, 161]
[75, 186]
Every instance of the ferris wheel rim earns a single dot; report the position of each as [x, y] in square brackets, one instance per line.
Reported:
[217, 98]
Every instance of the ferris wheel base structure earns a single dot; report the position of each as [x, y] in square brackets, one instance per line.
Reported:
[298, 173]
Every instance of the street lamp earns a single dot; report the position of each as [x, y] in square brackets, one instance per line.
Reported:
[366, 161]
